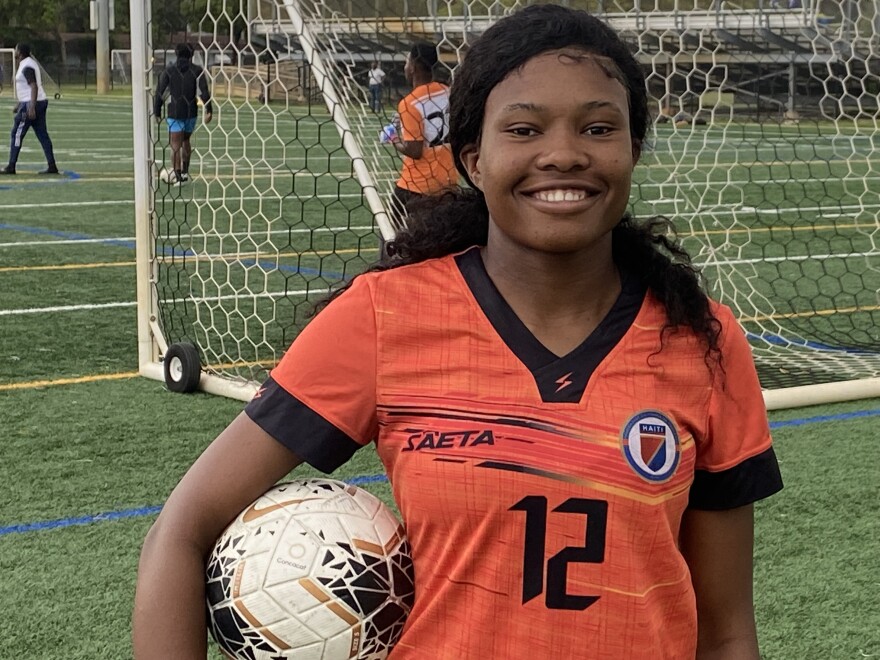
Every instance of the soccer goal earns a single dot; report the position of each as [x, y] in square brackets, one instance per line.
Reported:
[7, 71]
[120, 67]
[765, 152]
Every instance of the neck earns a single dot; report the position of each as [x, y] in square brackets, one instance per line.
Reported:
[420, 79]
[550, 292]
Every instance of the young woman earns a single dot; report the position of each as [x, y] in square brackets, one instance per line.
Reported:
[574, 432]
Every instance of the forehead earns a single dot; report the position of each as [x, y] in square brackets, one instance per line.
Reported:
[560, 76]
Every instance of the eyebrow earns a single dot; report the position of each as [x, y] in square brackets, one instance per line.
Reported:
[534, 107]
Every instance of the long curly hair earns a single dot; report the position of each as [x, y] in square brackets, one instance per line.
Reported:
[457, 219]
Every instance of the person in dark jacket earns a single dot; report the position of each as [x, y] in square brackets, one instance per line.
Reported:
[182, 82]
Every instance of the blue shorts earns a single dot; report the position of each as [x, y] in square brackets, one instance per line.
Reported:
[181, 125]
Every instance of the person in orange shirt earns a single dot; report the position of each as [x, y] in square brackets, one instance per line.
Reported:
[573, 430]
[423, 135]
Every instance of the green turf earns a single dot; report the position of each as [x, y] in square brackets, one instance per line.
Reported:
[89, 448]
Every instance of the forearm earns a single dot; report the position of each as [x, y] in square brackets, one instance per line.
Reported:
[34, 94]
[411, 149]
[169, 612]
[732, 648]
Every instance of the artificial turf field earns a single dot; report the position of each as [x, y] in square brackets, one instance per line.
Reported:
[90, 450]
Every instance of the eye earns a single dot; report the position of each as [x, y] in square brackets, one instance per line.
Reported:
[598, 130]
[522, 131]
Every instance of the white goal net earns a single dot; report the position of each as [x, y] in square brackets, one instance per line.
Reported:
[765, 152]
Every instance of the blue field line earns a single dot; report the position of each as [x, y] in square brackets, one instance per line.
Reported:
[779, 340]
[356, 481]
[173, 252]
[134, 513]
[825, 418]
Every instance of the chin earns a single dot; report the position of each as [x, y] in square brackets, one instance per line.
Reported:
[568, 243]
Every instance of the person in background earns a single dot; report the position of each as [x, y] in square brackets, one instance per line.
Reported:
[184, 83]
[29, 111]
[377, 79]
[423, 136]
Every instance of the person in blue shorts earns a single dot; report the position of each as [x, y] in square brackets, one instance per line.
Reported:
[183, 83]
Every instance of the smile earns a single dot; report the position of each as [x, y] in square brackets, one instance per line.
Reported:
[566, 195]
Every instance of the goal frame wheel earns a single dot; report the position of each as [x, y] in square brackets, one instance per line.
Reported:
[182, 367]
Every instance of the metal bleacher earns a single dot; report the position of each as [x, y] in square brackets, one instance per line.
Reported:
[750, 46]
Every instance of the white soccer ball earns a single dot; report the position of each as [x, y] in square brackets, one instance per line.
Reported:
[315, 569]
[167, 176]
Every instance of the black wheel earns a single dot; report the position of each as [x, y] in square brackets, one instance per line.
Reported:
[183, 367]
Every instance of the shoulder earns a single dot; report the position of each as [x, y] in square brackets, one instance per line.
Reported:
[429, 277]
[731, 331]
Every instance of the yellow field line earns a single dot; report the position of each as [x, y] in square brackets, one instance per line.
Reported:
[34, 384]
[814, 312]
[109, 264]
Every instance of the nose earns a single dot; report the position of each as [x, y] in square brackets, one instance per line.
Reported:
[563, 151]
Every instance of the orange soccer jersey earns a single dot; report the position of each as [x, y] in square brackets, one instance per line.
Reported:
[542, 495]
[424, 117]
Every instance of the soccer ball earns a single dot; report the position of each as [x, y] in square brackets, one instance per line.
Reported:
[387, 134]
[314, 569]
[167, 176]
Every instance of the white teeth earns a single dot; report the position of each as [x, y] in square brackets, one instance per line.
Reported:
[560, 195]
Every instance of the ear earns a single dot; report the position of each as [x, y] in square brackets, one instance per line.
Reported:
[470, 158]
[636, 151]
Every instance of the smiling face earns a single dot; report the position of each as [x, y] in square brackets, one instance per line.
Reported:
[556, 156]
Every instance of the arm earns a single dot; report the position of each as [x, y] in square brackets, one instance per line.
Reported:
[31, 77]
[32, 106]
[159, 96]
[718, 548]
[410, 125]
[411, 149]
[206, 97]
[169, 611]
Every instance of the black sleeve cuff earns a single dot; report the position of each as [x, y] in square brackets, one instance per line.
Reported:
[299, 428]
[752, 480]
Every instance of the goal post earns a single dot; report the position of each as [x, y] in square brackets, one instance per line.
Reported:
[764, 152]
[7, 70]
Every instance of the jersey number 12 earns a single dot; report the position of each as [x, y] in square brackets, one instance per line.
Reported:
[593, 550]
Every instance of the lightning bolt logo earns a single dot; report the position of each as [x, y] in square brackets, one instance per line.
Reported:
[564, 381]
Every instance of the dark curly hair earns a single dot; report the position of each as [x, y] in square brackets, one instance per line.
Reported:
[459, 218]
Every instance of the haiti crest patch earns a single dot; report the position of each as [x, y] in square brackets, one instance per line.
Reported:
[651, 446]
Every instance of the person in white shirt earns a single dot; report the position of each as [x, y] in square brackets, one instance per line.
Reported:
[377, 78]
[29, 111]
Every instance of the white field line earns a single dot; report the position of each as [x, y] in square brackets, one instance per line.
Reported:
[279, 294]
[262, 198]
[88, 307]
[129, 239]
